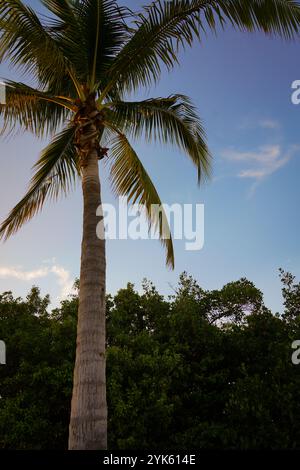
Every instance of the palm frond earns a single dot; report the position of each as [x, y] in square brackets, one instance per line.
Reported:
[163, 27]
[66, 28]
[171, 120]
[129, 178]
[26, 42]
[32, 110]
[56, 171]
[103, 33]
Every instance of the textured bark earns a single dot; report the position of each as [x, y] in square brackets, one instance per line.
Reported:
[88, 423]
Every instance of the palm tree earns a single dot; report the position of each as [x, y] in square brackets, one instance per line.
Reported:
[85, 58]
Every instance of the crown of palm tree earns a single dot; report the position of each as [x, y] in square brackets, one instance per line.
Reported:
[94, 49]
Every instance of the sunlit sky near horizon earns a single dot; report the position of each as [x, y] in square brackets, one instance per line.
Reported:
[241, 85]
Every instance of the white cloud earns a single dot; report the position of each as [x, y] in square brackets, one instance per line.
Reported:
[63, 276]
[265, 123]
[265, 154]
[16, 273]
[269, 124]
[64, 280]
[263, 162]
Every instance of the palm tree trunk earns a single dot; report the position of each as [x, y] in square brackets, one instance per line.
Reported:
[88, 423]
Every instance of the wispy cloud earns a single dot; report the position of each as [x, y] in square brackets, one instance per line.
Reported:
[264, 123]
[20, 275]
[269, 124]
[265, 161]
[261, 163]
[64, 280]
[63, 276]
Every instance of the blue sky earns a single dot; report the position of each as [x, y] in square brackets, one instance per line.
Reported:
[241, 85]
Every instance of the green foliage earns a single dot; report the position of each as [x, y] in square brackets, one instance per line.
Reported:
[94, 51]
[202, 369]
[129, 178]
[291, 297]
[56, 171]
[165, 27]
[36, 382]
[172, 120]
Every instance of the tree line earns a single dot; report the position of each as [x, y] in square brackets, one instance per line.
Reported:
[199, 369]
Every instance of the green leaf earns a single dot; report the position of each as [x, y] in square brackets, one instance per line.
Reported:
[31, 110]
[56, 171]
[164, 26]
[129, 178]
[171, 120]
[26, 42]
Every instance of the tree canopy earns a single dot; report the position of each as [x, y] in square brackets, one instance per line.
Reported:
[205, 369]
